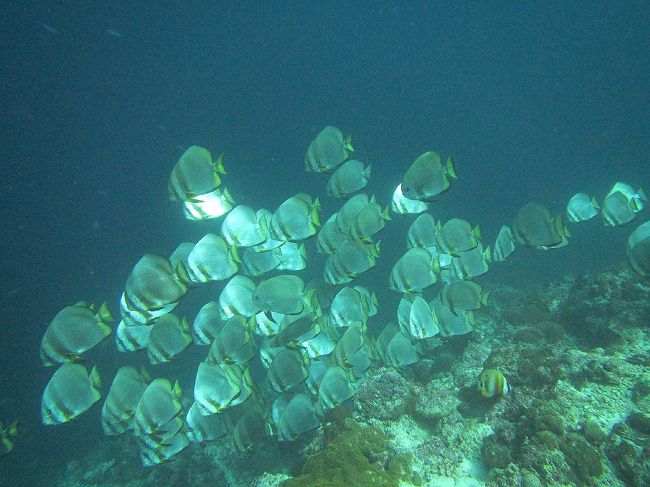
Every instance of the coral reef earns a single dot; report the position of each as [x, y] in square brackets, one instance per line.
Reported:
[384, 394]
[358, 455]
[630, 455]
[575, 354]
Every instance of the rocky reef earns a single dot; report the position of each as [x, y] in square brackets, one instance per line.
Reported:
[576, 354]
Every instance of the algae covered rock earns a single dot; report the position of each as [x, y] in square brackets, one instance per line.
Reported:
[584, 459]
[593, 432]
[629, 457]
[540, 453]
[640, 422]
[357, 456]
[552, 330]
[529, 479]
[494, 453]
[540, 417]
[383, 395]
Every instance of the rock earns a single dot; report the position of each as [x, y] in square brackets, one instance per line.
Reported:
[641, 389]
[584, 459]
[639, 359]
[529, 479]
[552, 330]
[630, 460]
[270, 480]
[541, 454]
[550, 422]
[593, 432]
[495, 454]
[640, 422]
[384, 395]
[527, 335]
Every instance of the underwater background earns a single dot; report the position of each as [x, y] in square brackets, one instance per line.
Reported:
[536, 101]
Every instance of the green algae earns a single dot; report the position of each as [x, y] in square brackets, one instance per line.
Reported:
[355, 456]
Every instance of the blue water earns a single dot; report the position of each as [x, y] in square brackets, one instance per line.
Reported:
[533, 101]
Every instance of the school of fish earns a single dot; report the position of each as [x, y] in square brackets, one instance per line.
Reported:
[282, 352]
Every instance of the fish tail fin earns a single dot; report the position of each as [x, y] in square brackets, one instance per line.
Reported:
[8, 445]
[106, 330]
[349, 375]
[13, 429]
[218, 165]
[487, 254]
[182, 273]
[636, 201]
[250, 325]
[595, 203]
[264, 225]
[560, 227]
[367, 172]
[313, 215]
[451, 170]
[227, 196]
[185, 325]
[302, 252]
[104, 314]
[46, 360]
[375, 249]
[94, 378]
[476, 231]
[310, 300]
[347, 143]
[270, 427]
[145, 375]
[374, 300]
[471, 318]
[177, 389]
[436, 265]
[234, 253]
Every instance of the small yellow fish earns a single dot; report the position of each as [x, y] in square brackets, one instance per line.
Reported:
[491, 383]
